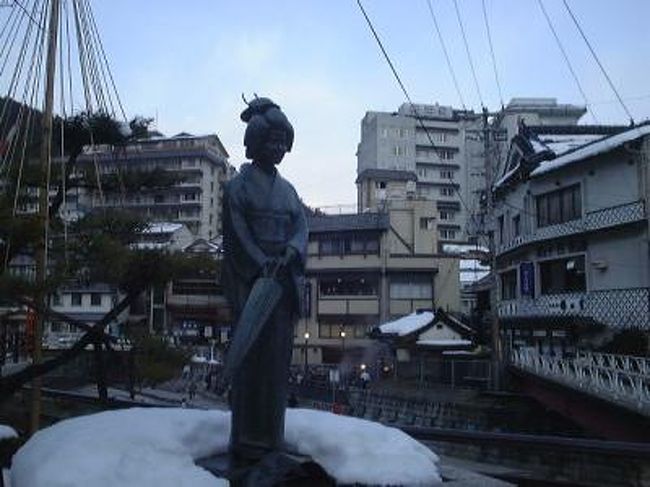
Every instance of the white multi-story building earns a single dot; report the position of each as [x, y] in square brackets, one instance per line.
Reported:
[201, 163]
[436, 149]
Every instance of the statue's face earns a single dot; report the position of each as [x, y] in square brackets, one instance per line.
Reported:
[274, 148]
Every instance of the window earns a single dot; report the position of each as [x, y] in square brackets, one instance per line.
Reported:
[380, 185]
[559, 206]
[500, 223]
[446, 174]
[447, 215]
[56, 299]
[446, 154]
[516, 225]
[447, 234]
[349, 286]
[75, 299]
[348, 244]
[427, 223]
[563, 275]
[190, 197]
[95, 299]
[159, 198]
[56, 327]
[509, 285]
[159, 295]
[447, 191]
[411, 287]
[211, 186]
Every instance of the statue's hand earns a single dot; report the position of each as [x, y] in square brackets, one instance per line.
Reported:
[270, 267]
[290, 255]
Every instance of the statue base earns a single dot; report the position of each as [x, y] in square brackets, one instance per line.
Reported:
[274, 469]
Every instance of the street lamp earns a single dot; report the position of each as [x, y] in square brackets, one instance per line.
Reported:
[306, 335]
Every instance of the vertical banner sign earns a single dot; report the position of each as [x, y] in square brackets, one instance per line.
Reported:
[527, 279]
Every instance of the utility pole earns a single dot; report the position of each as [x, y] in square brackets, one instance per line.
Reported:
[489, 178]
[43, 209]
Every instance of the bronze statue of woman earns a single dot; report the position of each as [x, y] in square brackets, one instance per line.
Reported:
[264, 228]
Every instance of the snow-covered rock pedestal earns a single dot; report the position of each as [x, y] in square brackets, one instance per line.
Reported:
[159, 447]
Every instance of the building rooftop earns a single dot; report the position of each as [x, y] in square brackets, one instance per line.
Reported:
[594, 148]
[387, 174]
[351, 222]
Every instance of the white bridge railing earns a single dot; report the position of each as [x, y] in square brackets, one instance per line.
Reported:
[620, 379]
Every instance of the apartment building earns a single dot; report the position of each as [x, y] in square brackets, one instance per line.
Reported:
[199, 162]
[437, 148]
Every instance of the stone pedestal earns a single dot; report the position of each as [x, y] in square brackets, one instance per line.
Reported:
[275, 469]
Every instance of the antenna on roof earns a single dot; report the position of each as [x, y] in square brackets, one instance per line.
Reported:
[244, 98]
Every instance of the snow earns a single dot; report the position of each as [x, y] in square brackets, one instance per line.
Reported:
[163, 227]
[538, 146]
[359, 451]
[407, 324]
[473, 265]
[506, 176]
[463, 248]
[600, 146]
[7, 432]
[130, 447]
[561, 143]
[470, 276]
[443, 342]
[149, 447]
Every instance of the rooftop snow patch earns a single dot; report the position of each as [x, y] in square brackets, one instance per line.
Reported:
[163, 228]
[444, 343]
[407, 324]
[600, 146]
[463, 248]
[157, 447]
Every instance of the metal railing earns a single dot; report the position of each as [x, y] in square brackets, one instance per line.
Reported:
[620, 379]
[615, 308]
[593, 220]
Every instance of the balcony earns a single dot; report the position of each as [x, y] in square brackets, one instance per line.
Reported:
[592, 221]
[615, 308]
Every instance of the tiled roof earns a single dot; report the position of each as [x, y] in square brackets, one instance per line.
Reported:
[355, 221]
[387, 175]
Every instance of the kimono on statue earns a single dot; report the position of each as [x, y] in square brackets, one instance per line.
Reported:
[264, 227]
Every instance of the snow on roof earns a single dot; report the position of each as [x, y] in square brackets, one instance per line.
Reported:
[150, 245]
[407, 324]
[592, 149]
[537, 145]
[472, 276]
[561, 143]
[462, 248]
[472, 265]
[506, 176]
[163, 227]
[443, 343]
[7, 432]
[120, 447]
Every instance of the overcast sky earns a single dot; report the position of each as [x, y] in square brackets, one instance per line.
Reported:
[188, 62]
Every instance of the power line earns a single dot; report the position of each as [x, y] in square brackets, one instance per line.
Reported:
[494, 62]
[444, 49]
[593, 53]
[567, 60]
[469, 56]
[412, 105]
